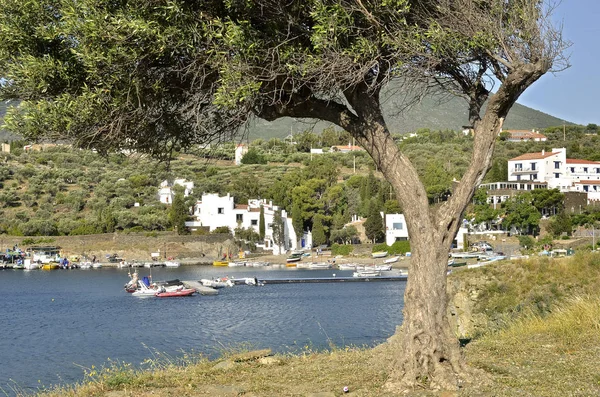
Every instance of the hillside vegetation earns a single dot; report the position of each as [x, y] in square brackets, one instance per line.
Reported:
[63, 191]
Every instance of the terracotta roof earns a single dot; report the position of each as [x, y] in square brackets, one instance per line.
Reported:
[533, 156]
[588, 183]
[254, 209]
[579, 161]
[241, 206]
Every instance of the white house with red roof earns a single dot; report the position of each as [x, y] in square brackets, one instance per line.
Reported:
[554, 168]
[215, 211]
[524, 136]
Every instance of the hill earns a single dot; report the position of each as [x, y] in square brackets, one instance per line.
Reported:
[436, 114]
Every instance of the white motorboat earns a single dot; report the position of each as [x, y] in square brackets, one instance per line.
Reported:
[393, 259]
[366, 273]
[85, 265]
[217, 283]
[347, 266]
[382, 268]
[30, 265]
[172, 264]
[96, 265]
[123, 264]
[379, 254]
[252, 281]
[319, 265]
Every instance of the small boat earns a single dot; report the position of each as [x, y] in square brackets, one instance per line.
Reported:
[379, 254]
[96, 265]
[252, 281]
[31, 265]
[85, 265]
[383, 268]
[176, 293]
[454, 263]
[347, 266]
[217, 283]
[172, 264]
[393, 259]
[366, 273]
[154, 264]
[50, 266]
[294, 258]
[319, 265]
[221, 263]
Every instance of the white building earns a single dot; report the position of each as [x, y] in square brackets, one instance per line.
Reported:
[240, 151]
[214, 211]
[524, 136]
[555, 169]
[166, 192]
[395, 228]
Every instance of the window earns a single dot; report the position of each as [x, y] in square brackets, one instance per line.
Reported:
[573, 169]
[220, 210]
[556, 165]
[397, 226]
[556, 175]
[533, 166]
[585, 169]
[518, 166]
[534, 176]
[254, 222]
[239, 218]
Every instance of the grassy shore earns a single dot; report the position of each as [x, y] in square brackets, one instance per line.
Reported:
[543, 339]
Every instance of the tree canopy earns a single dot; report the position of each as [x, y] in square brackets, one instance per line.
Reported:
[163, 75]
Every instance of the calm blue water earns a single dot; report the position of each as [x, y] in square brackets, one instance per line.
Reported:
[56, 323]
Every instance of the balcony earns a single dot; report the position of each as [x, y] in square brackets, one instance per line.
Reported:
[521, 171]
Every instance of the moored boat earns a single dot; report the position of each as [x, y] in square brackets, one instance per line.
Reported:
[172, 264]
[366, 273]
[379, 254]
[176, 293]
[319, 265]
[221, 263]
[50, 266]
[393, 259]
[347, 266]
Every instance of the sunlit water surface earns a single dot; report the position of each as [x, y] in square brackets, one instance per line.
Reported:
[57, 324]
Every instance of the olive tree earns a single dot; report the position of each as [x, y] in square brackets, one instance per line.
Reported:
[164, 75]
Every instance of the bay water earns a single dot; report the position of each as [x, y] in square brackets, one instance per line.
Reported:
[56, 325]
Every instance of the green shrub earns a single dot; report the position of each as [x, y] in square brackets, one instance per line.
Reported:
[380, 247]
[222, 230]
[399, 247]
[342, 249]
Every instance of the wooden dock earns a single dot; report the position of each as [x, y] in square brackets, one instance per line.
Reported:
[330, 279]
[201, 289]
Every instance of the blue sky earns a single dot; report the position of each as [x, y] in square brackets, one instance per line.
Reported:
[573, 94]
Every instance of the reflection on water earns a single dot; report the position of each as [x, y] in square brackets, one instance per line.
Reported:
[57, 323]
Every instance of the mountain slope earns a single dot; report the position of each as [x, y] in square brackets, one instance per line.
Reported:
[429, 113]
[436, 114]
